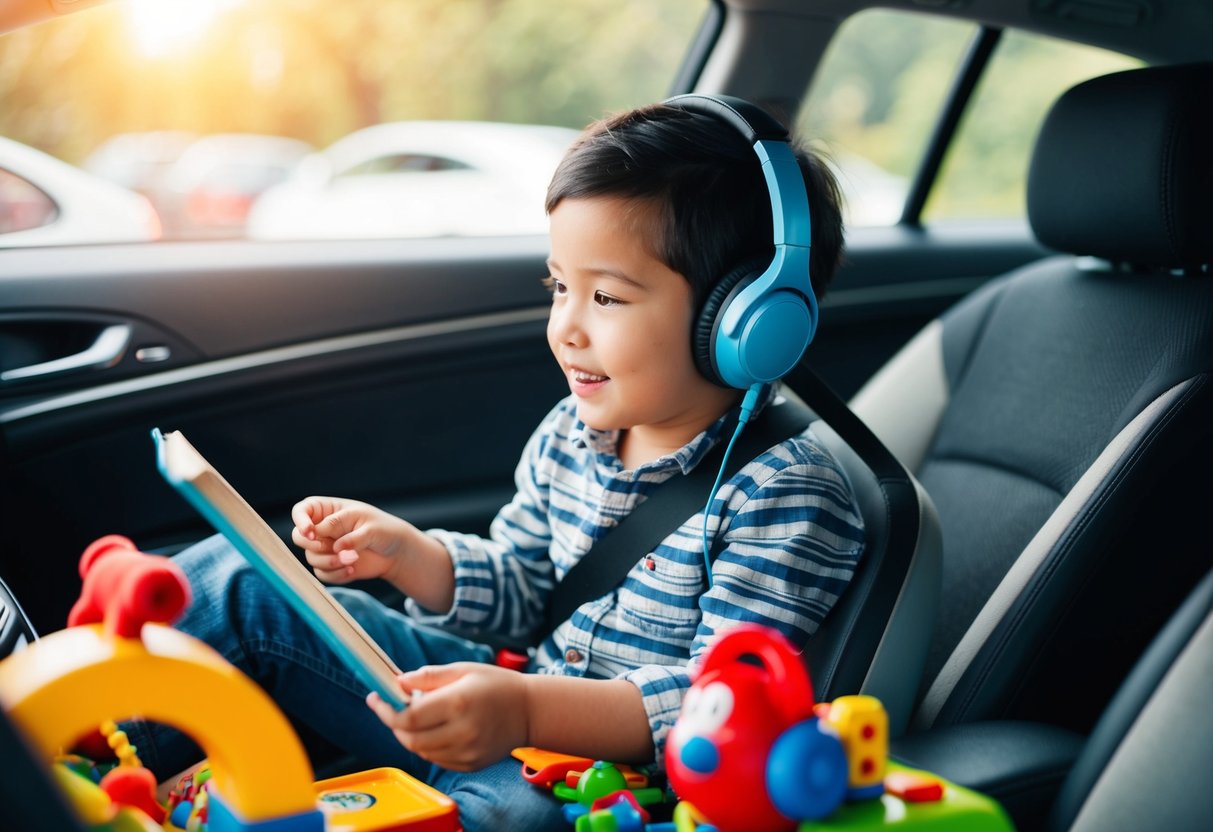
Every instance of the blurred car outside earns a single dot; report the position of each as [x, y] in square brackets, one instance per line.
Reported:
[871, 195]
[46, 201]
[418, 179]
[139, 161]
[209, 190]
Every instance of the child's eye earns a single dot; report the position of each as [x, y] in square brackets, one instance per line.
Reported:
[553, 285]
[603, 299]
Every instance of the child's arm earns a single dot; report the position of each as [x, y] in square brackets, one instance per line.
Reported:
[346, 540]
[472, 715]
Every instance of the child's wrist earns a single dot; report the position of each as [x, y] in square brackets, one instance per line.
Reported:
[410, 539]
[528, 699]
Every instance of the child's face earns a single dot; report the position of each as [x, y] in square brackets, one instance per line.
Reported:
[620, 326]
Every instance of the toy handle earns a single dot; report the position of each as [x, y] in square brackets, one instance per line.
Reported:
[778, 657]
[124, 588]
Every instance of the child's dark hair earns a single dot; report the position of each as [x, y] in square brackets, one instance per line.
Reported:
[713, 210]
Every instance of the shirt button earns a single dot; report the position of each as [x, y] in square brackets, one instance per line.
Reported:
[649, 563]
[572, 656]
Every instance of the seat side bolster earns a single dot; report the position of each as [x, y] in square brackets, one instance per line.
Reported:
[1158, 777]
[905, 400]
[973, 653]
[1132, 700]
[902, 652]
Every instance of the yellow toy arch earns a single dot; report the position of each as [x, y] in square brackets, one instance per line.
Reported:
[68, 683]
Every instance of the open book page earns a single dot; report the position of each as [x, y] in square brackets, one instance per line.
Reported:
[216, 500]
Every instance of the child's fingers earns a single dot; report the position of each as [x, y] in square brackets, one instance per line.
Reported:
[303, 515]
[328, 561]
[335, 576]
[311, 544]
[433, 676]
[335, 525]
[386, 713]
[357, 539]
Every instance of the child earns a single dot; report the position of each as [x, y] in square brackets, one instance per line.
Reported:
[648, 209]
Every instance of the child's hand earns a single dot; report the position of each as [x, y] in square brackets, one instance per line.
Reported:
[470, 716]
[345, 540]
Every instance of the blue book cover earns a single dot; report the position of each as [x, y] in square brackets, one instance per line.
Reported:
[211, 495]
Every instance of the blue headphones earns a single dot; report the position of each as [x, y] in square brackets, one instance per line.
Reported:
[760, 317]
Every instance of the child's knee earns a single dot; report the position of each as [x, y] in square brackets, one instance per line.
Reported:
[499, 798]
[224, 586]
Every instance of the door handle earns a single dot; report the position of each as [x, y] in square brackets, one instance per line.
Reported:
[106, 351]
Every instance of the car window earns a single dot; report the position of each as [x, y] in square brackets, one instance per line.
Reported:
[873, 104]
[23, 206]
[983, 174]
[403, 163]
[234, 117]
[881, 88]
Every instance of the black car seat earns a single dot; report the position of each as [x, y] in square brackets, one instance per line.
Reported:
[1060, 417]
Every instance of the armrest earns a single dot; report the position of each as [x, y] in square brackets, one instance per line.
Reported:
[1019, 764]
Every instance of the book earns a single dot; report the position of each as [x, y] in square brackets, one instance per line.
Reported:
[216, 500]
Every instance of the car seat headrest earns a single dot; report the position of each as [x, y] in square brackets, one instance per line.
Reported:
[1122, 169]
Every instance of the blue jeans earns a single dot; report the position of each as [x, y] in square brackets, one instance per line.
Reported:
[236, 612]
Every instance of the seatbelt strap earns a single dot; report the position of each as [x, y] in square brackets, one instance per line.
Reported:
[604, 567]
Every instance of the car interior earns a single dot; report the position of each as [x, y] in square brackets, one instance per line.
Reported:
[1022, 404]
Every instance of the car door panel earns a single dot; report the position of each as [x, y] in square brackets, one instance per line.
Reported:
[423, 408]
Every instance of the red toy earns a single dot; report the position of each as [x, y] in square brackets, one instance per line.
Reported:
[747, 751]
[136, 787]
[124, 588]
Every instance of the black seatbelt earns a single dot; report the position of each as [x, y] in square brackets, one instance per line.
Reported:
[603, 568]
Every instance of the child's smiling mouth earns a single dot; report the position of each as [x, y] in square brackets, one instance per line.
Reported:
[584, 382]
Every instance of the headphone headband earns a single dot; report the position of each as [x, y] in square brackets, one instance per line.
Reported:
[754, 329]
[747, 118]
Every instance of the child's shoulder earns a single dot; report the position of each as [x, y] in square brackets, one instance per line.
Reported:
[802, 455]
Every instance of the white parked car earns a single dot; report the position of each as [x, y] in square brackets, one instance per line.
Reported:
[418, 179]
[209, 190]
[46, 201]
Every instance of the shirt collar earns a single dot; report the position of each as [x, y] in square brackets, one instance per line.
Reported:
[604, 442]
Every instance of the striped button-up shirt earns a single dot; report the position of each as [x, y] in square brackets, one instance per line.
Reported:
[792, 538]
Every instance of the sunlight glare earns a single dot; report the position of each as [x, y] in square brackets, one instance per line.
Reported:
[163, 27]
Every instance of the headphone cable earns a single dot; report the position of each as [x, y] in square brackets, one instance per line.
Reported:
[748, 403]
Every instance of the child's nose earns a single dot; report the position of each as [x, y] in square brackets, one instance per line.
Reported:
[565, 325]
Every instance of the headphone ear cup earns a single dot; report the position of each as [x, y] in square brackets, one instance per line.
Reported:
[709, 316]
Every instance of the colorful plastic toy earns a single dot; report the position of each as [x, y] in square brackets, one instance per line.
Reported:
[67, 683]
[752, 753]
[602, 779]
[747, 750]
[862, 725]
[547, 768]
[118, 657]
[123, 588]
[385, 800]
[618, 812]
